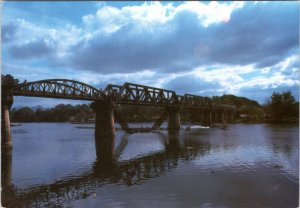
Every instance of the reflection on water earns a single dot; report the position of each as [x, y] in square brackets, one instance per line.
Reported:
[244, 166]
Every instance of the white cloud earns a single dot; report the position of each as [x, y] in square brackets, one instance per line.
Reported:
[156, 43]
[214, 12]
[110, 19]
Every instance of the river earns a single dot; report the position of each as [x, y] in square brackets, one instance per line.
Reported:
[245, 165]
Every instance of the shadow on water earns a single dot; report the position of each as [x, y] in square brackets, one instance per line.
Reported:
[132, 172]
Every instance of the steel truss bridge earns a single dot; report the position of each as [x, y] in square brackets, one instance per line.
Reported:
[128, 93]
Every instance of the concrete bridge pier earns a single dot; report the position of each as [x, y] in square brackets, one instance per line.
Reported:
[202, 117]
[193, 115]
[6, 103]
[215, 116]
[232, 116]
[219, 116]
[222, 116]
[207, 117]
[225, 116]
[210, 118]
[8, 191]
[172, 141]
[104, 129]
[6, 166]
[173, 118]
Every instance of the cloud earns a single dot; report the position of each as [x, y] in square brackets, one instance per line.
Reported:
[182, 41]
[190, 84]
[168, 38]
[262, 95]
[136, 38]
[130, 38]
[32, 49]
[192, 47]
[8, 32]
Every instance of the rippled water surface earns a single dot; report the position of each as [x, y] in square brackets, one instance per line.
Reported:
[55, 165]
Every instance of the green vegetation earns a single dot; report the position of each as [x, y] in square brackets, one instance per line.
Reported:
[250, 111]
[281, 108]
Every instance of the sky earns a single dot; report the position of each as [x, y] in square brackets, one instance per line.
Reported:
[248, 49]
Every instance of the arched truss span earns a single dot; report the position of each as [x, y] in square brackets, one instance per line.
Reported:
[59, 88]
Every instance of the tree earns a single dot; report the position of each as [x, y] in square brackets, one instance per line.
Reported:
[282, 107]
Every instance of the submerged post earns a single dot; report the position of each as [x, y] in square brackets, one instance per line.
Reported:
[173, 118]
[104, 129]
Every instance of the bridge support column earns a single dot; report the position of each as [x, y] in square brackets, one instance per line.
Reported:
[6, 165]
[215, 115]
[104, 130]
[193, 115]
[172, 141]
[202, 117]
[6, 102]
[8, 191]
[219, 116]
[232, 117]
[160, 120]
[222, 116]
[173, 118]
[207, 117]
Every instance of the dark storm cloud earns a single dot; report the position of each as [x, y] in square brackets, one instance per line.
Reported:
[259, 33]
[34, 49]
[121, 52]
[263, 34]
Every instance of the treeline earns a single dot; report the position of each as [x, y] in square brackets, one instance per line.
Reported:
[249, 111]
[281, 108]
[60, 113]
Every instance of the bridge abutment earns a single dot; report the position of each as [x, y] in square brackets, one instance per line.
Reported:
[104, 129]
[173, 118]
